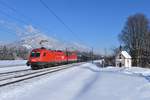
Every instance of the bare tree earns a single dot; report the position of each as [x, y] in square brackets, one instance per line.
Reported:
[135, 38]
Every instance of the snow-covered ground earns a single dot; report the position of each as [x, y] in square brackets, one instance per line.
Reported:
[12, 65]
[85, 82]
[8, 63]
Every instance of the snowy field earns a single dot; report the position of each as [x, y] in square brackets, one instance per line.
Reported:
[85, 82]
[8, 63]
[12, 65]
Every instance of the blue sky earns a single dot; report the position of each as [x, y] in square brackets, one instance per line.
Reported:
[96, 23]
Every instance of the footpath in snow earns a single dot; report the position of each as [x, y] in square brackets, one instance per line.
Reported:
[85, 82]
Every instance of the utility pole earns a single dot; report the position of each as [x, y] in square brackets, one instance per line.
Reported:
[105, 56]
[92, 55]
[67, 54]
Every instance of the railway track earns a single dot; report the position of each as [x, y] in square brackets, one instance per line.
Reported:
[12, 72]
[14, 78]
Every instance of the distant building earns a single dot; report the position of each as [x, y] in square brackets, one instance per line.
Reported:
[123, 59]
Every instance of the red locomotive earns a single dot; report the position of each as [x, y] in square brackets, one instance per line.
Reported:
[42, 58]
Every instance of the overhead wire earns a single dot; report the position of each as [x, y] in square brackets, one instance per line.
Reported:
[28, 19]
[59, 19]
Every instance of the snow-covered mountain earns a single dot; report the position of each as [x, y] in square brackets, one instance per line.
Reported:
[40, 40]
[30, 37]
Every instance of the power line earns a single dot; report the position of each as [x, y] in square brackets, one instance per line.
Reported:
[19, 13]
[15, 18]
[29, 19]
[14, 10]
[58, 18]
[12, 17]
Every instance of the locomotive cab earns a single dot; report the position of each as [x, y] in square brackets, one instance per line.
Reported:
[35, 58]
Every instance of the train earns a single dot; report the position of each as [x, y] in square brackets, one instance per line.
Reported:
[42, 58]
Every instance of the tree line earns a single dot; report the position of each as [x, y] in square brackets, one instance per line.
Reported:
[12, 53]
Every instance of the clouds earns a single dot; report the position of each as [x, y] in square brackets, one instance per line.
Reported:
[19, 30]
[27, 30]
[30, 29]
[11, 27]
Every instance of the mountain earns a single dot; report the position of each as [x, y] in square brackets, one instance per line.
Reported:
[40, 40]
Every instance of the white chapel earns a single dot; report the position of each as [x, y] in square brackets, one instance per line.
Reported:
[123, 59]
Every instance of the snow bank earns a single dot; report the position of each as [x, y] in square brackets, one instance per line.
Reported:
[138, 70]
[9, 63]
[132, 70]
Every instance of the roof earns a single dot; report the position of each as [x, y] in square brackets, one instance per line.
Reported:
[125, 54]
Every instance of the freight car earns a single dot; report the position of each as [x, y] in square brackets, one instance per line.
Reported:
[43, 58]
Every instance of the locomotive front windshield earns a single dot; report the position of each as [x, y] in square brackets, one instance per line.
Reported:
[32, 54]
[35, 54]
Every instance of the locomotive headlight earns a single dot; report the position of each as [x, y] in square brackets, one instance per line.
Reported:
[62, 57]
